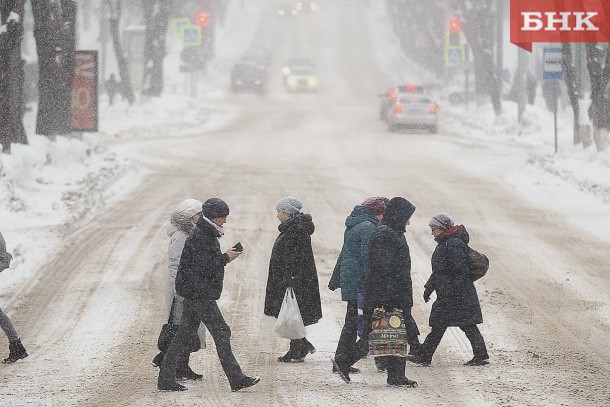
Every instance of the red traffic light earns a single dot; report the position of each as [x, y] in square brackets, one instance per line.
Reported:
[202, 19]
[455, 24]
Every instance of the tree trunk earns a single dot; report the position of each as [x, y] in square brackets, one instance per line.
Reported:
[115, 16]
[11, 75]
[598, 64]
[478, 29]
[573, 91]
[156, 16]
[55, 34]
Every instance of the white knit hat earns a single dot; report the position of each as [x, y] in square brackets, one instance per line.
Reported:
[189, 207]
[289, 205]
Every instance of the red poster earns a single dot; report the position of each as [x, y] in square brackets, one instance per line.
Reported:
[559, 21]
[84, 92]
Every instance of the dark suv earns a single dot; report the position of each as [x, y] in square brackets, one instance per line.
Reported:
[248, 77]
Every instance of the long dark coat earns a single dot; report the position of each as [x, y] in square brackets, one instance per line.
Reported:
[457, 302]
[388, 282]
[292, 265]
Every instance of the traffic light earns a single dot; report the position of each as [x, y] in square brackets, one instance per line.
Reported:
[455, 24]
[202, 19]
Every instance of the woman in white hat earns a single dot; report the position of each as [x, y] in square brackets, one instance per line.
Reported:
[182, 221]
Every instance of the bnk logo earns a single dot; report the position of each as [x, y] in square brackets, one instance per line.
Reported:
[559, 21]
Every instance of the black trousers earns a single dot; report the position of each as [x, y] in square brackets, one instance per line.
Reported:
[206, 311]
[349, 334]
[472, 333]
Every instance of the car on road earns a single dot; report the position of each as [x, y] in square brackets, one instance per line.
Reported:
[248, 77]
[302, 78]
[295, 62]
[257, 55]
[306, 6]
[413, 110]
[287, 10]
[389, 97]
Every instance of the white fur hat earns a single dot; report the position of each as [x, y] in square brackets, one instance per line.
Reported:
[189, 207]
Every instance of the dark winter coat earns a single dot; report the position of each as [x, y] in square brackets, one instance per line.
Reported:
[292, 265]
[352, 265]
[388, 282]
[202, 265]
[457, 302]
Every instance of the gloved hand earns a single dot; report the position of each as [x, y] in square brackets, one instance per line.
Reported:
[427, 294]
[333, 285]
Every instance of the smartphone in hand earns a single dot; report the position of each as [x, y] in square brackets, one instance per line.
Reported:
[238, 247]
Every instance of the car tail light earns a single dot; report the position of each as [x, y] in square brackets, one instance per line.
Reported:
[432, 108]
[398, 109]
[410, 87]
[393, 96]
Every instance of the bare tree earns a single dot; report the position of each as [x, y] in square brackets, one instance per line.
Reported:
[11, 74]
[156, 16]
[115, 17]
[55, 35]
[598, 64]
[569, 70]
[479, 31]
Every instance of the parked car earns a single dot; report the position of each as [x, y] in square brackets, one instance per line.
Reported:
[389, 97]
[248, 77]
[302, 79]
[413, 110]
[293, 63]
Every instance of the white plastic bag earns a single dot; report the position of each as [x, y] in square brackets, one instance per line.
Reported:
[289, 322]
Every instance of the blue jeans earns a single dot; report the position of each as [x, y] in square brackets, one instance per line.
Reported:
[7, 327]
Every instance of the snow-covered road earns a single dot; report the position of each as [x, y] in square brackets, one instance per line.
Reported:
[92, 314]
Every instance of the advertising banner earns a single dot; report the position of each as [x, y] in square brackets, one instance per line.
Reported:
[84, 92]
[558, 21]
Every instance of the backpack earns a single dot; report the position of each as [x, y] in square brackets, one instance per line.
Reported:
[478, 263]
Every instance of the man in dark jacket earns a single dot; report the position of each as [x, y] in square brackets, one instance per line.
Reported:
[388, 284]
[199, 280]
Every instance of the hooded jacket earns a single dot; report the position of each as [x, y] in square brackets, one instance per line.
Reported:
[388, 282]
[292, 264]
[5, 259]
[353, 262]
[201, 271]
[457, 302]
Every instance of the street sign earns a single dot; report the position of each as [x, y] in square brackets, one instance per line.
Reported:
[551, 64]
[178, 25]
[454, 55]
[191, 36]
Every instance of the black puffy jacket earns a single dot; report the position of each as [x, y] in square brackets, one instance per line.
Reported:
[202, 266]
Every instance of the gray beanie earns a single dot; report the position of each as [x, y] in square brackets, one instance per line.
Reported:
[189, 207]
[441, 220]
[289, 205]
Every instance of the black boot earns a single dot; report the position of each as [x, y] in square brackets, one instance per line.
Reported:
[16, 352]
[302, 348]
[184, 372]
[290, 357]
[156, 362]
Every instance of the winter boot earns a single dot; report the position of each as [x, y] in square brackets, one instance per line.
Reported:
[245, 383]
[477, 361]
[402, 382]
[342, 369]
[381, 363]
[184, 372]
[290, 357]
[16, 352]
[156, 362]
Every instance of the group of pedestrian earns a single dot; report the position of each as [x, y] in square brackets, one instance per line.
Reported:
[373, 271]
